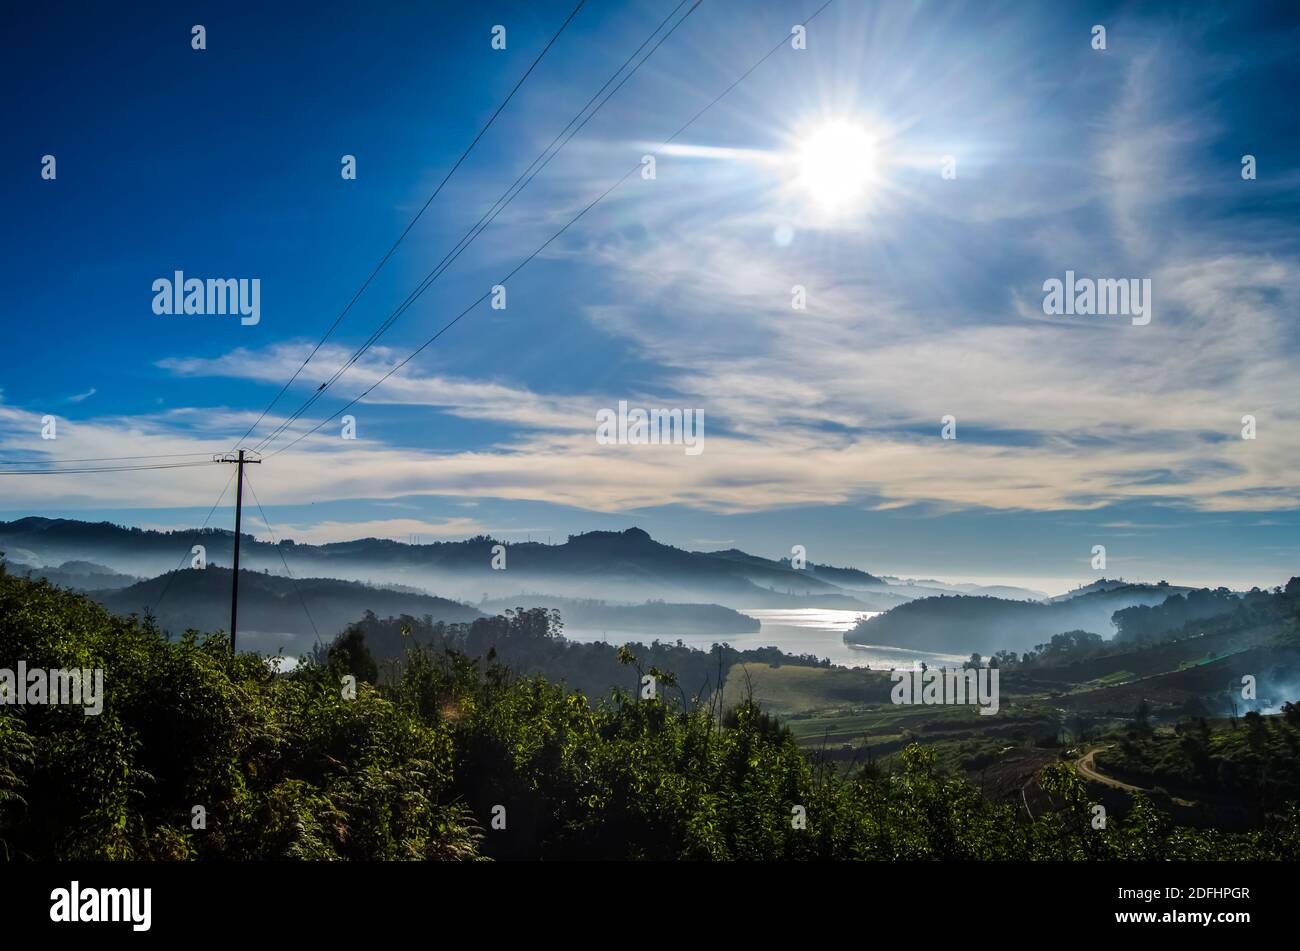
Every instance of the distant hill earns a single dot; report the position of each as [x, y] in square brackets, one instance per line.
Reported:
[842, 577]
[627, 566]
[1144, 623]
[1258, 620]
[929, 587]
[271, 609]
[618, 567]
[1101, 584]
[961, 624]
[1005, 591]
[78, 575]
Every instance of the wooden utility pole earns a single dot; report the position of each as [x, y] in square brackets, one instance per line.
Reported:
[239, 460]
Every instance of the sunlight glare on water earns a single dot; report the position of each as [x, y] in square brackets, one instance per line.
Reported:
[818, 631]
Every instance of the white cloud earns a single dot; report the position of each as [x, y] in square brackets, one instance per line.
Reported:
[465, 398]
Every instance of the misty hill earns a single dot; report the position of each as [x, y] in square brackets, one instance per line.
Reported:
[654, 617]
[962, 624]
[626, 566]
[1142, 623]
[1004, 591]
[769, 568]
[78, 575]
[929, 588]
[271, 613]
[1101, 584]
[1256, 619]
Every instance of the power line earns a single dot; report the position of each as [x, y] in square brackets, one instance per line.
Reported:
[490, 215]
[280, 552]
[43, 462]
[172, 465]
[419, 214]
[557, 234]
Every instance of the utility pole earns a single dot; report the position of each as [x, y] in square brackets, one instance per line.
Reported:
[239, 460]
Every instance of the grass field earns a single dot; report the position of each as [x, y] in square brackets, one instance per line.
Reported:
[786, 691]
[835, 707]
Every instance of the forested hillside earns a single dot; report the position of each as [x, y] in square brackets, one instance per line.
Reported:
[292, 766]
[962, 624]
[294, 614]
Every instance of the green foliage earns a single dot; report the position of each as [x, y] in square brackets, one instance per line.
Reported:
[1068, 646]
[283, 766]
[1257, 766]
[531, 641]
[350, 655]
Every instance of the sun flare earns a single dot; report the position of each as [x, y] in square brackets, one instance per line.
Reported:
[837, 164]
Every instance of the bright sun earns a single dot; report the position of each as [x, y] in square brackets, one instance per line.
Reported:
[837, 163]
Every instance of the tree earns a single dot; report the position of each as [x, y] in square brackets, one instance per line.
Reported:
[1077, 724]
[1142, 717]
[349, 655]
[1255, 730]
[1291, 712]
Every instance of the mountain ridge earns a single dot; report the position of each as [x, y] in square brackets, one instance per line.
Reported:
[628, 566]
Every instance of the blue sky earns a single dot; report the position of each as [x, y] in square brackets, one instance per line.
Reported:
[822, 426]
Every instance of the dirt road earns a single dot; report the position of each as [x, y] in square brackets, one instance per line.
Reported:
[1087, 767]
